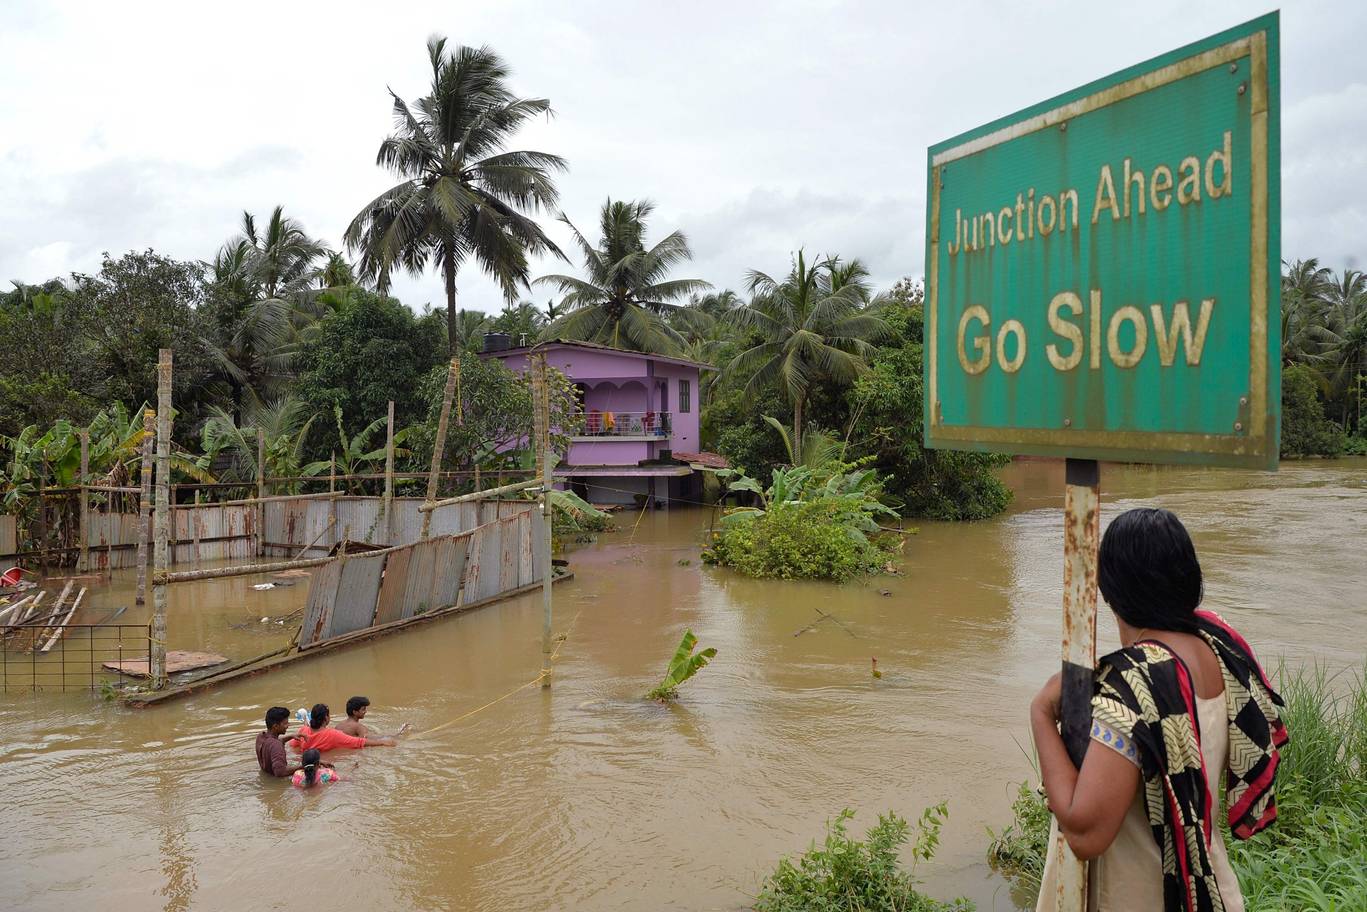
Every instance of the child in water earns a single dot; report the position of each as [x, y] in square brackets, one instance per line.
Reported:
[314, 771]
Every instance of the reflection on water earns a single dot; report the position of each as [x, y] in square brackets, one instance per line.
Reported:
[586, 797]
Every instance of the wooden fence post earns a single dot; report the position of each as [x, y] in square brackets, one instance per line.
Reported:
[440, 443]
[388, 504]
[332, 499]
[1081, 538]
[42, 521]
[541, 431]
[160, 531]
[149, 436]
[83, 560]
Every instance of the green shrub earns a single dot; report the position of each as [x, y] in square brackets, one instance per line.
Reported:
[844, 874]
[1305, 430]
[935, 484]
[1312, 857]
[796, 541]
[1357, 446]
[1020, 850]
[817, 521]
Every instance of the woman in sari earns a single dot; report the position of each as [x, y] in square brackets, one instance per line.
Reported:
[1181, 706]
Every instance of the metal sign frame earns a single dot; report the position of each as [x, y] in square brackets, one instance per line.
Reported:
[1254, 440]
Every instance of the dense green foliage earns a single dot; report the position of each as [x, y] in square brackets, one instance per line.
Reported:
[878, 414]
[491, 420]
[684, 665]
[1324, 334]
[1312, 856]
[938, 484]
[845, 874]
[72, 348]
[368, 350]
[1021, 848]
[1305, 430]
[812, 522]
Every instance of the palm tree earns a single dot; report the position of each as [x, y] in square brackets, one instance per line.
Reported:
[471, 325]
[853, 274]
[626, 293]
[336, 273]
[283, 423]
[458, 195]
[263, 294]
[808, 334]
[1345, 348]
[1305, 286]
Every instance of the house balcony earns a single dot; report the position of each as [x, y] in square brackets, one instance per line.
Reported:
[608, 425]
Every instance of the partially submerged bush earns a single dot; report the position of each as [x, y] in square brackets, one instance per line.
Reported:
[845, 874]
[1312, 857]
[809, 525]
[573, 514]
[1020, 850]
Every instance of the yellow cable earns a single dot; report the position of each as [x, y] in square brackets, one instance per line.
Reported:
[520, 687]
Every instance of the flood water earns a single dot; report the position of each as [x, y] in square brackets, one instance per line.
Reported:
[584, 796]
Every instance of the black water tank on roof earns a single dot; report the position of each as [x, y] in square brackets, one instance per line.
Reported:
[497, 342]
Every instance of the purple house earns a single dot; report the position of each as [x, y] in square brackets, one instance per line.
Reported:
[640, 435]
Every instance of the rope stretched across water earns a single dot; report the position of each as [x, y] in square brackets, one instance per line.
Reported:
[521, 687]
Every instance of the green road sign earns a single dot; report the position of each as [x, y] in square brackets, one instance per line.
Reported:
[1103, 268]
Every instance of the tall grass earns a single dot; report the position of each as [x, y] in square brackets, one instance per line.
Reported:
[1315, 856]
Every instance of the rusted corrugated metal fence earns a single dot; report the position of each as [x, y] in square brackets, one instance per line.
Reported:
[354, 592]
[305, 526]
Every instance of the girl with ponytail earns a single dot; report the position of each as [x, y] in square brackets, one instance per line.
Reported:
[314, 771]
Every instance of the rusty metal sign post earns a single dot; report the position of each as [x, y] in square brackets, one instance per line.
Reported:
[1102, 283]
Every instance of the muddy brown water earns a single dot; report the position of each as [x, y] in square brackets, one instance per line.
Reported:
[584, 796]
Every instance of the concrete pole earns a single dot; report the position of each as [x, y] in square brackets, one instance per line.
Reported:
[440, 443]
[149, 436]
[83, 561]
[388, 505]
[541, 431]
[1081, 539]
[160, 530]
[260, 510]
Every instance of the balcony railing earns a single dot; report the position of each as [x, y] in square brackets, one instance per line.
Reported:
[626, 424]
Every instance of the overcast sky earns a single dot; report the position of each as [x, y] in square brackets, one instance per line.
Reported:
[755, 127]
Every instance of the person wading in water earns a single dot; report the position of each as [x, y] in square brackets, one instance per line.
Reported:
[317, 735]
[353, 724]
[1180, 706]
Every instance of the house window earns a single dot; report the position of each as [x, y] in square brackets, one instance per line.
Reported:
[685, 397]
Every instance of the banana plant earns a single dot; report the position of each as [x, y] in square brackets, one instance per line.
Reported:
[683, 666]
[354, 457]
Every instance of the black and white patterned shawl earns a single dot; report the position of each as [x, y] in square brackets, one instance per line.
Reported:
[1145, 692]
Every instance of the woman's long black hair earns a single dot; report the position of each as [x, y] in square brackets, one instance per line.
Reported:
[317, 715]
[1148, 572]
[312, 757]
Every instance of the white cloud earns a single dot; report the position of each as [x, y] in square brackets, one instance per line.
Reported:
[756, 128]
